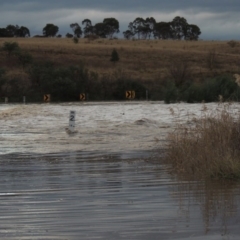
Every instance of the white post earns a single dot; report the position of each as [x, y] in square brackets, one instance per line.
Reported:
[24, 99]
[6, 100]
[72, 121]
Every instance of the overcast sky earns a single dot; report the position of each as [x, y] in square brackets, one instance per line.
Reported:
[217, 19]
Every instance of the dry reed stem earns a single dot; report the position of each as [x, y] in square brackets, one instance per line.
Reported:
[209, 147]
[237, 79]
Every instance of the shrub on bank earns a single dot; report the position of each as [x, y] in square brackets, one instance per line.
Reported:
[63, 83]
[170, 93]
[66, 83]
[207, 147]
[207, 91]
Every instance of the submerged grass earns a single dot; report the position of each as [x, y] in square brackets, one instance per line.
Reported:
[208, 147]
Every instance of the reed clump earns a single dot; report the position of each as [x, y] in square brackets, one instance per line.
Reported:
[208, 147]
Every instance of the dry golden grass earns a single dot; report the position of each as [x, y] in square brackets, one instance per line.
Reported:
[209, 147]
[148, 60]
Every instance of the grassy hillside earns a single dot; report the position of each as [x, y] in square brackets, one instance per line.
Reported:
[150, 62]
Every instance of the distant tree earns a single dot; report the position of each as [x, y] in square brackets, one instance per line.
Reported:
[16, 31]
[128, 34]
[76, 30]
[150, 24]
[139, 27]
[5, 33]
[59, 36]
[114, 56]
[193, 32]
[50, 30]
[11, 30]
[69, 35]
[22, 31]
[144, 31]
[131, 27]
[179, 28]
[162, 30]
[111, 26]
[10, 47]
[100, 29]
[88, 29]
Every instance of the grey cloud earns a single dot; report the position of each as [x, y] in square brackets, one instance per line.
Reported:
[130, 5]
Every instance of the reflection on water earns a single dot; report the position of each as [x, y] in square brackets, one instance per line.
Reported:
[217, 200]
[92, 196]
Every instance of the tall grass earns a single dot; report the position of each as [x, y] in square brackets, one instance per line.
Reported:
[208, 147]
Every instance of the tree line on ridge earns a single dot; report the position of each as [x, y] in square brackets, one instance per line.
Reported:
[140, 28]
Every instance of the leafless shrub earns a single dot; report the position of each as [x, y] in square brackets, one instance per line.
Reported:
[180, 71]
[232, 43]
[211, 59]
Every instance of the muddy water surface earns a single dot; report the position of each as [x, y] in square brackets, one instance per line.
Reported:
[87, 196]
[113, 187]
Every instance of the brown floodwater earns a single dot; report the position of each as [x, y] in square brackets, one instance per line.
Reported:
[91, 195]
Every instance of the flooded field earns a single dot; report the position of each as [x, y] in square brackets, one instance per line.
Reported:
[101, 127]
[106, 181]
